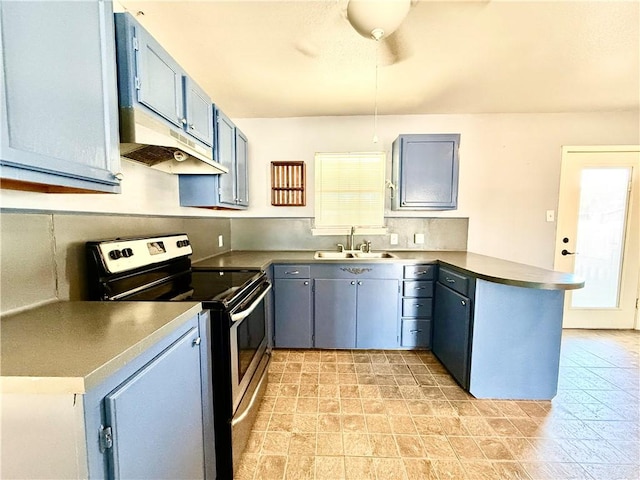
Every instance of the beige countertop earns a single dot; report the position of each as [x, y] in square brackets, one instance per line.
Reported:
[481, 266]
[69, 347]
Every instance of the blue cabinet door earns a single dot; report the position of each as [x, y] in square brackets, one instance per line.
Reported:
[199, 112]
[226, 154]
[293, 325]
[156, 417]
[377, 314]
[335, 313]
[242, 170]
[59, 117]
[452, 332]
[425, 172]
[159, 78]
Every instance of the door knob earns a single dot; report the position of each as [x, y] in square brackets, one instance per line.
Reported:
[567, 252]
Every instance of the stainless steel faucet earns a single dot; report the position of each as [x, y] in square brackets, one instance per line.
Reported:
[350, 238]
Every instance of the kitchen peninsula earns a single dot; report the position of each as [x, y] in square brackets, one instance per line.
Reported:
[496, 325]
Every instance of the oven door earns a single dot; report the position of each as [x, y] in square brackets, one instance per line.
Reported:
[248, 340]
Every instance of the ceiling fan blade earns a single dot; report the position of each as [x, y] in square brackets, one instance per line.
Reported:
[395, 48]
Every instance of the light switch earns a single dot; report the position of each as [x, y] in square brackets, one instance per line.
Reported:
[418, 238]
[393, 240]
[551, 215]
[220, 240]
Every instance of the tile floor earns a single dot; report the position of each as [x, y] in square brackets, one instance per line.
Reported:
[336, 414]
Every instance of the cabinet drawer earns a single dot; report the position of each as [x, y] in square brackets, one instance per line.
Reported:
[416, 333]
[416, 288]
[420, 272]
[417, 307]
[291, 271]
[454, 281]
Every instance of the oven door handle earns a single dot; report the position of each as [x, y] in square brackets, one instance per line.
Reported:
[242, 314]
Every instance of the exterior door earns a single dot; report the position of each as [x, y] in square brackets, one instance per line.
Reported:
[598, 235]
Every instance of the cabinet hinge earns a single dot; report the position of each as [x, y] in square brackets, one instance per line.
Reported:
[105, 438]
[137, 83]
[136, 45]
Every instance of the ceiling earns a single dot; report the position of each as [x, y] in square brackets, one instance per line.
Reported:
[302, 58]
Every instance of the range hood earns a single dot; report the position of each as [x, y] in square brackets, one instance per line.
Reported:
[153, 142]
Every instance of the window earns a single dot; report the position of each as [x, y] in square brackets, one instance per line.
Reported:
[349, 191]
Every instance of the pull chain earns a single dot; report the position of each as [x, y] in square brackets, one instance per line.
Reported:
[375, 107]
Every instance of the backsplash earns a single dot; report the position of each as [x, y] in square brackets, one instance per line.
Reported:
[42, 255]
[441, 233]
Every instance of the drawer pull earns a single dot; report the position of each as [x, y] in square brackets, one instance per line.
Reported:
[417, 305]
[415, 331]
[422, 272]
[294, 272]
[419, 288]
[450, 280]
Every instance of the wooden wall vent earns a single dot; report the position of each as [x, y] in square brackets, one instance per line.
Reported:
[288, 184]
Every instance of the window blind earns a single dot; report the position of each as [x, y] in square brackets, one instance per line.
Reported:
[349, 190]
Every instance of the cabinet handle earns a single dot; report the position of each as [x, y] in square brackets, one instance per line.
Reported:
[359, 283]
[423, 272]
[191, 126]
[306, 283]
[463, 302]
[183, 120]
[119, 176]
[419, 288]
[196, 342]
[353, 283]
[450, 280]
[294, 272]
[415, 331]
[417, 305]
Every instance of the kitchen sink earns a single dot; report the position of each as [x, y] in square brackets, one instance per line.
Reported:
[356, 255]
[374, 255]
[333, 255]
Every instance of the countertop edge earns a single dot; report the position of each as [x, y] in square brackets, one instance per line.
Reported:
[572, 282]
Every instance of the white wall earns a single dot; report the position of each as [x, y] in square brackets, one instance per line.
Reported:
[509, 166]
[509, 176]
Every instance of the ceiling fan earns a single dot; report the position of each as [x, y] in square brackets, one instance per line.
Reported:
[377, 20]
[380, 20]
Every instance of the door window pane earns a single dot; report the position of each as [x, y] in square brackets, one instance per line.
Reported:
[600, 238]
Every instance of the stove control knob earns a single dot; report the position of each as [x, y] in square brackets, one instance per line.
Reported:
[115, 254]
[127, 252]
[182, 243]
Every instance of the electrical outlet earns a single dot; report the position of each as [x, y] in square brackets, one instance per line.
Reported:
[551, 216]
[220, 241]
[418, 238]
[393, 239]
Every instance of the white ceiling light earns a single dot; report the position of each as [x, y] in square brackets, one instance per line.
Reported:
[377, 19]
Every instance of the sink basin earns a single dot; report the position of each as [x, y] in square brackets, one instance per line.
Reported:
[374, 255]
[333, 255]
[357, 255]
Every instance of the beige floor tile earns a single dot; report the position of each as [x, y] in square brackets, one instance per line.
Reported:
[330, 468]
[300, 468]
[333, 414]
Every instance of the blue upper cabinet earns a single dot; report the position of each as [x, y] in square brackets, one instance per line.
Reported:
[156, 78]
[200, 110]
[149, 78]
[58, 96]
[425, 172]
[227, 191]
[226, 156]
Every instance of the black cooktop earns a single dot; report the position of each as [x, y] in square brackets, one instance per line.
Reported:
[221, 285]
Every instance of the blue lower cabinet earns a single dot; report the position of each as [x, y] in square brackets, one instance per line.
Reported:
[377, 314]
[335, 313]
[293, 322]
[416, 333]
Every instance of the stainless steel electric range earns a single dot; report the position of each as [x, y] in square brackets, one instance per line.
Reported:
[159, 268]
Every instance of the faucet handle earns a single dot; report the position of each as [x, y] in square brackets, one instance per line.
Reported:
[340, 247]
